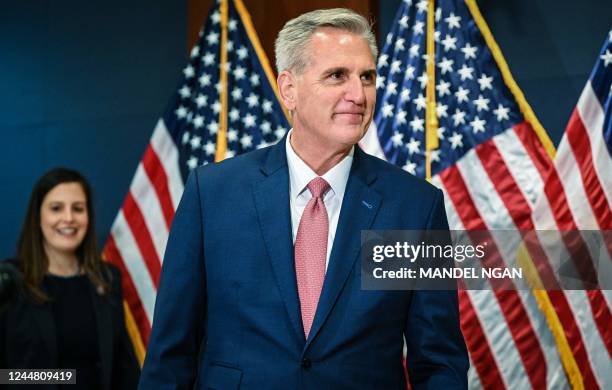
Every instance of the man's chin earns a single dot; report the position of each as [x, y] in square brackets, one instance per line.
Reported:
[350, 135]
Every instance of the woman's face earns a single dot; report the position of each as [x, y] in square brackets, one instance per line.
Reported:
[64, 218]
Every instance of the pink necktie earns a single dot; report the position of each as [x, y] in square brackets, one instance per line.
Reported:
[311, 251]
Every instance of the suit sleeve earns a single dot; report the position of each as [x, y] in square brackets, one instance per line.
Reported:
[179, 323]
[436, 352]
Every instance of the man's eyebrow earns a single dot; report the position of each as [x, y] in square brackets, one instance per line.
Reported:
[369, 72]
[340, 69]
[336, 69]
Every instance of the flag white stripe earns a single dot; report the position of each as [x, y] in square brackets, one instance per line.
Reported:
[455, 224]
[495, 330]
[608, 297]
[596, 350]
[542, 215]
[146, 198]
[522, 169]
[571, 181]
[545, 337]
[592, 116]
[495, 216]
[482, 191]
[168, 154]
[480, 187]
[134, 263]
[473, 377]
[544, 219]
[548, 236]
[555, 374]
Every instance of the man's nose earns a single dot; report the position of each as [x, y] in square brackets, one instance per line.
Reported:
[355, 91]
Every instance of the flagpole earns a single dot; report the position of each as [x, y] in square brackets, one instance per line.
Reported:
[431, 119]
[261, 54]
[222, 133]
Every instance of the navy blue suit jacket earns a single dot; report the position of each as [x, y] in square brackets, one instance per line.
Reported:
[227, 314]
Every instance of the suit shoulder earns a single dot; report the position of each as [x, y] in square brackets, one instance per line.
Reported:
[395, 177]
[243, 164]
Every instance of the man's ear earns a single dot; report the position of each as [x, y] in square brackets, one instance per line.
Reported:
[287, 89]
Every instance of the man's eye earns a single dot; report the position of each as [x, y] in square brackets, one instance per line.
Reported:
[336, 75]
[367, 78]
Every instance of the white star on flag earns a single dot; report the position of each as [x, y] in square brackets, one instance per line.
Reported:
[501, 112]
[469, 51]
[453, 21]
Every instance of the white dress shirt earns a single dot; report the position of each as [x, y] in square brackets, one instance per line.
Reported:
[300, 175]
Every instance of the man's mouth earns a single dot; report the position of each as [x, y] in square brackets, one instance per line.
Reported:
[353, 117]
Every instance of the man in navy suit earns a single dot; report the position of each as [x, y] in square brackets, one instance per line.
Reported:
[260, 286]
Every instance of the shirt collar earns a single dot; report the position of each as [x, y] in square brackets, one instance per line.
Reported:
[300, 174]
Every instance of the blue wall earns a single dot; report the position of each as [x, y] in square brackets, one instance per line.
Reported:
[82, 84]
[550, 46]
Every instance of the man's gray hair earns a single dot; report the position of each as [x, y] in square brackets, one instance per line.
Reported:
[290, 45]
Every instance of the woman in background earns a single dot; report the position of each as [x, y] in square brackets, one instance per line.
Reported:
[68, 310]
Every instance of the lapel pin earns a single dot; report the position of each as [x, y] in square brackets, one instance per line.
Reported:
[366, 204]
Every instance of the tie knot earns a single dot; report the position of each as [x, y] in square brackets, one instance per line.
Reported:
[318, 187]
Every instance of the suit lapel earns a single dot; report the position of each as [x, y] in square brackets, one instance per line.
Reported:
[359, 207]
[271, 197]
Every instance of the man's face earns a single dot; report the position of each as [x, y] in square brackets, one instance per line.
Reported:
[336, 93]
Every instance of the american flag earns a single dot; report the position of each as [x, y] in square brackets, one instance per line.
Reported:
[578, 195]
[492, 163]
[205, 121]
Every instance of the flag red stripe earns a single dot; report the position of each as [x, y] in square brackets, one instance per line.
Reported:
[578, 139]
[480, 353]
[516, 204]
[525, 338]
[602, 316]
[155, 171]
[573, 336]
[558, 202]
[554, 192]
[478, 346]
[129, 290]
[142, 237]
[463, 204]
[519, 209]
[505, 185]
[534, 148]
[564, 219]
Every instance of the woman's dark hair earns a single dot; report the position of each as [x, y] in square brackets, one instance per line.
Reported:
[30, 250]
